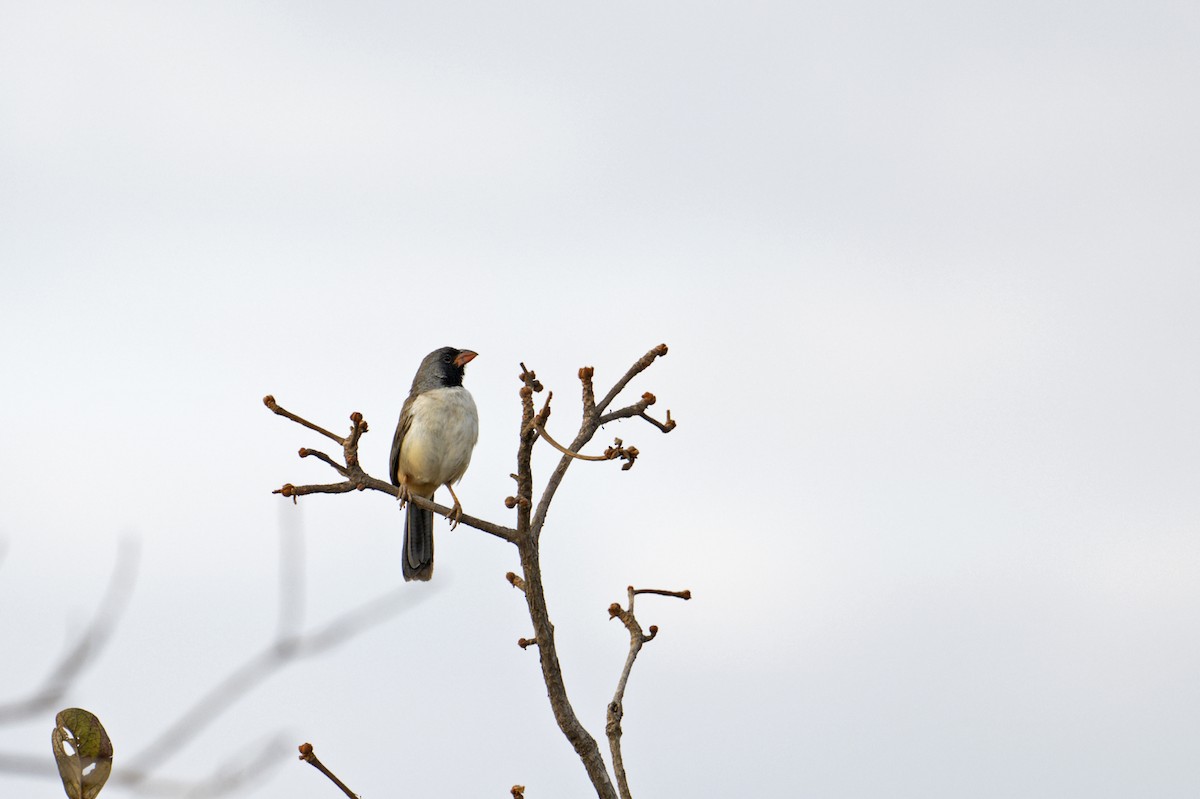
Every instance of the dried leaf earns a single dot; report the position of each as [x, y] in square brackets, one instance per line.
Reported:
[83, 751]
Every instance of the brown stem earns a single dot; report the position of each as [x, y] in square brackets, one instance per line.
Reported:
[269, 401]
[616, 708]
[584, 744]
[309, 756]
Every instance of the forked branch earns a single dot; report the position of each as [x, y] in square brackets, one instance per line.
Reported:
[616, 708]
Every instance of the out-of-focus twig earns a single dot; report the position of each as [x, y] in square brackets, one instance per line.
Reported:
[90, 643]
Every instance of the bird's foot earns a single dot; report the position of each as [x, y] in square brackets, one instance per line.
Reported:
[455, 512]
[402, 496]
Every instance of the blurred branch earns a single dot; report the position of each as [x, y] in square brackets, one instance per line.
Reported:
[227, 777]
[261, 666]
[616, 708]
[136, 773]
[90, 643]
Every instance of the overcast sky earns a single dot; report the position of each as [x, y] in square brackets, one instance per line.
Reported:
[929, 274]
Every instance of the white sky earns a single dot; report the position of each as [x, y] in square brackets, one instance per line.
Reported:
[929, 276]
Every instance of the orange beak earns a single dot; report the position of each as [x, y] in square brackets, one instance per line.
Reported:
[464, 358]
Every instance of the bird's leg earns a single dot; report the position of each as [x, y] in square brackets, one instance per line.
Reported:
[402, 495]
[456, 511]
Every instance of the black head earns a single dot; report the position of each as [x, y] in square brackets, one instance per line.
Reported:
[441, 368]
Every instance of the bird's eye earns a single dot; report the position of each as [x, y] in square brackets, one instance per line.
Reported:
[446, 359]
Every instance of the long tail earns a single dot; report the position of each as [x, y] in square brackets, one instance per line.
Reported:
[418, 543]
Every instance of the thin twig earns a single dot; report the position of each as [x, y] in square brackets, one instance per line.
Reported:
[269, 401]
[309, 756]
[305, 452]
[542, 432]
[684, 594]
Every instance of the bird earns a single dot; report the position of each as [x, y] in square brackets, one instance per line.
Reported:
[436, 434]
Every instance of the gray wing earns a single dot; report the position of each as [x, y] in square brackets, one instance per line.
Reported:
[402, 427]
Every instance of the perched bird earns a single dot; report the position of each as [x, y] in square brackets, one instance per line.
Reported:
[436, 433]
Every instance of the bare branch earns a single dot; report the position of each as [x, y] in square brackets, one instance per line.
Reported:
[684, 594]
[269, 401]
[321, 456]
[616, 708]
[639, 366]
[609, 454]
[587, 429]
[309, 756]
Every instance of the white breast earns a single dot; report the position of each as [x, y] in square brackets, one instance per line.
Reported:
[437, 447]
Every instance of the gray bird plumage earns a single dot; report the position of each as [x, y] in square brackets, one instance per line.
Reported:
[435, 436]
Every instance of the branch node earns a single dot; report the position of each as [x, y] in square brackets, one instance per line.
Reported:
[515, 580]
[529, 377]
[518, 792]
[525, 643]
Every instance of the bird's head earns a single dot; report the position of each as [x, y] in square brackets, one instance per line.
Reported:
[443, 367]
